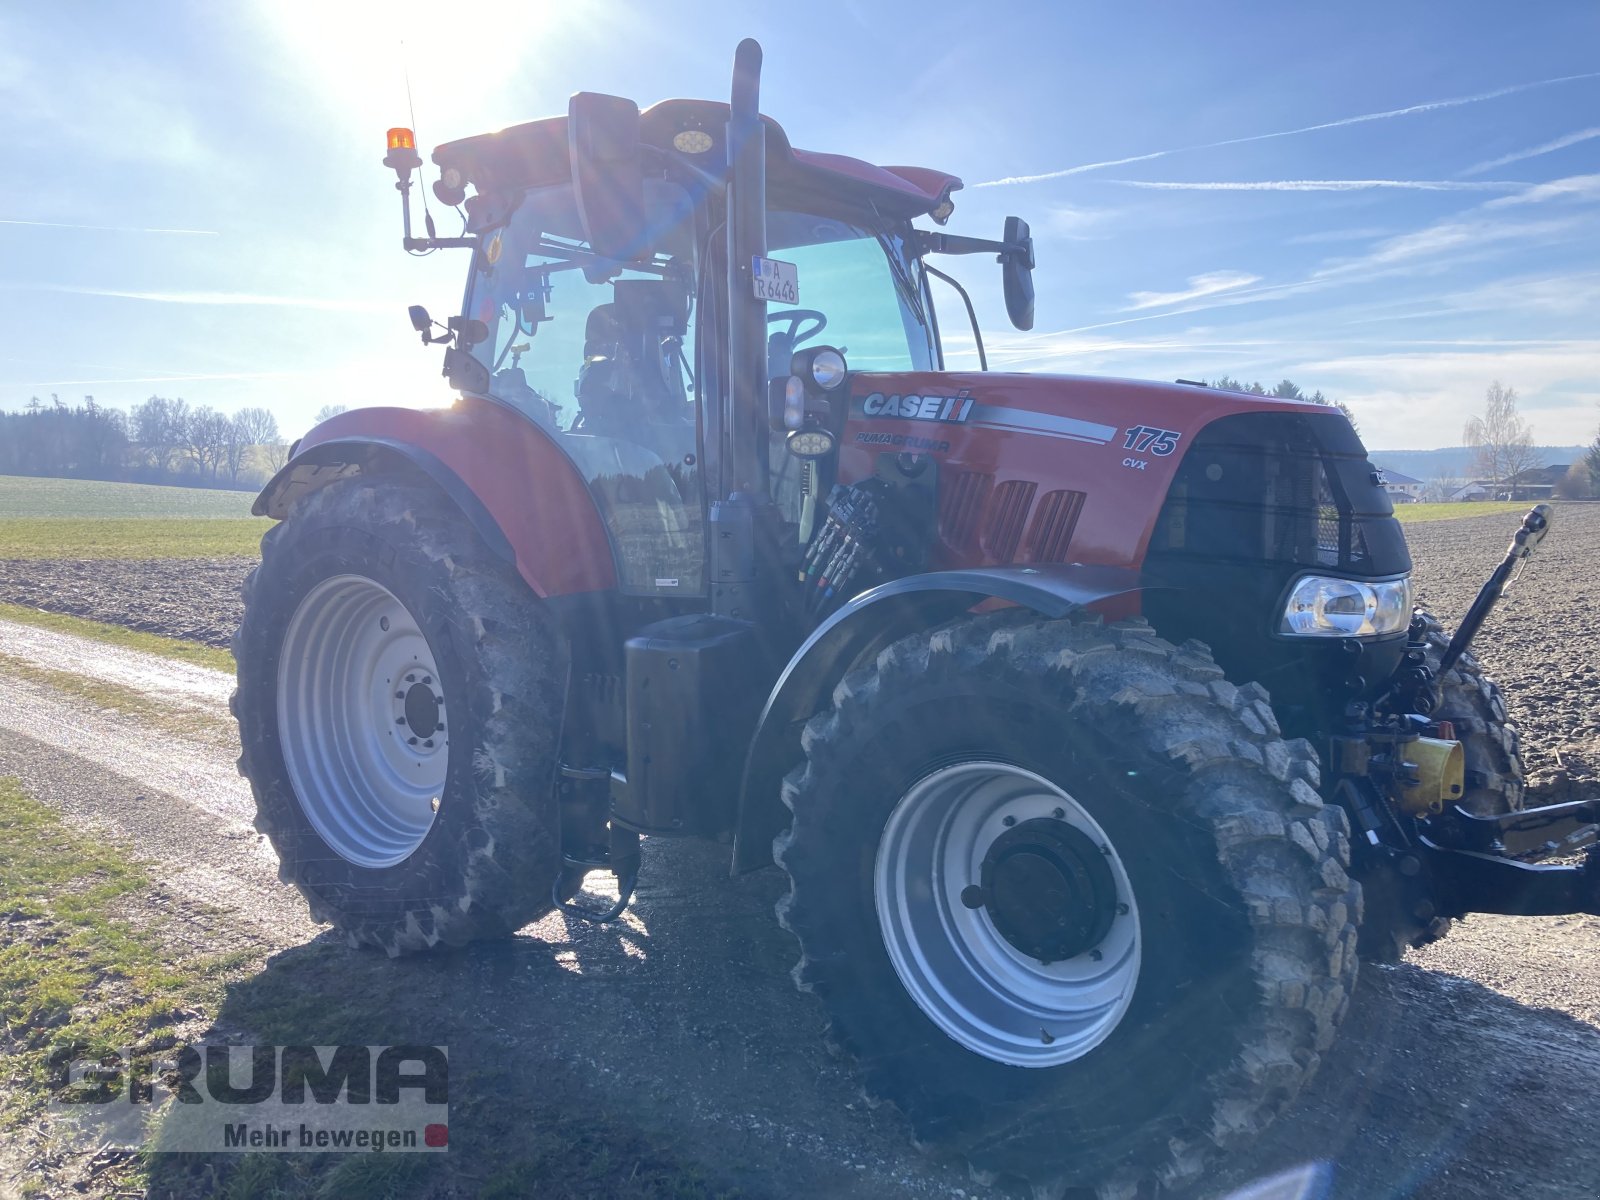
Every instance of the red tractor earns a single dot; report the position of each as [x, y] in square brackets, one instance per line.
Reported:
[1090, 719]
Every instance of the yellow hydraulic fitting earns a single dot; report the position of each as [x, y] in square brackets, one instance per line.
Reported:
[1441, 770]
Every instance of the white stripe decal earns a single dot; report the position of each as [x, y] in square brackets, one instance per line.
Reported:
[1023, 420]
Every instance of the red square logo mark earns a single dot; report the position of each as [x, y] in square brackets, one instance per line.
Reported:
[436, 1135]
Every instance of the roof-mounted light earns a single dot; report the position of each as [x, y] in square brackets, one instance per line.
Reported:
[692, 141]
[941, 212]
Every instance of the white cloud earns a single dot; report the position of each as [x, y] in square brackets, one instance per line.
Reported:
[319, 303]
[1560, 143]
[1334, 235]
[105, 228]
[1323, 185]
[1430, 106]
[1208, 284]
[1075, 223]
[1579, 187]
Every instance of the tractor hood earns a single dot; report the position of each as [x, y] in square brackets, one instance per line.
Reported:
[1059, 468]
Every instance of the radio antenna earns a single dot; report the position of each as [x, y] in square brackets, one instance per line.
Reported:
[411, 107]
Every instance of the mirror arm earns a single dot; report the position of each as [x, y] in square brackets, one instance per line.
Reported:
[972, 316]
[416, 243]
[925, 241]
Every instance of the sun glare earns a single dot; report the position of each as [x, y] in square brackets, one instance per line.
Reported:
[465, 75]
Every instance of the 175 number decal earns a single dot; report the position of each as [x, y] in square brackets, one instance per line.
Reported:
[1146, 438]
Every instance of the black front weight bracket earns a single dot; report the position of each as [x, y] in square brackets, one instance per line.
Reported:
[1495, 867]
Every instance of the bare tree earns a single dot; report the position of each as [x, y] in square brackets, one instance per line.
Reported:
[249, 427]
[326, 411]
[1576, 484]
[1501, 440]
[277, 452]
[206, 439]
[1441, 487]
[160, 426]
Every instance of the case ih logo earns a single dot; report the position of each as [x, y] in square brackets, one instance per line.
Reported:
[918, 408]
[252, 1098]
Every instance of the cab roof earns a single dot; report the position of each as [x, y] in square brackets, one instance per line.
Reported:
[535, 154]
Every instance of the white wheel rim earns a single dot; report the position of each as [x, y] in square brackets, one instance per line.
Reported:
[351, 714]
[971, 981]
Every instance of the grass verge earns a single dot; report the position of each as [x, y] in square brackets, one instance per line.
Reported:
[189, 723]
[131, 537]
[1411, 514]
[74, 970]
[46, 496]
[116, 635]
[87, 958]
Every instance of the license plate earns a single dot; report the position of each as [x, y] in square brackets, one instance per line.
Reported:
[775, 280]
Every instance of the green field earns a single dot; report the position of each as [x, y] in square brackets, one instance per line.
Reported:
[83, 518]
[26, 496]
[1409, 514]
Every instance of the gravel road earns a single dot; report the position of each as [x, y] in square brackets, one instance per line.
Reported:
[1469, 1071]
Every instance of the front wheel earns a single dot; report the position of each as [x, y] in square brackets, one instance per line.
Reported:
[1068, 897]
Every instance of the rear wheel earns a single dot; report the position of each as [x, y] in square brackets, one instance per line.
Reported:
[1067, 896]
[399, 707]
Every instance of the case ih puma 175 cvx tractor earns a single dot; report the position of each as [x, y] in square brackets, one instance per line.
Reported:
[1089, 719]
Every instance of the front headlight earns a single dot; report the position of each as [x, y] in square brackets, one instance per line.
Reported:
[1320, 606]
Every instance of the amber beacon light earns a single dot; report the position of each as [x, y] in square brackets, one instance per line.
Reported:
[402, 154]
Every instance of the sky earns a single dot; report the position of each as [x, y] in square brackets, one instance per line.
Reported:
[1396, 204]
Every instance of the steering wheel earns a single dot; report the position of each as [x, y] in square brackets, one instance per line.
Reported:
[797, 317]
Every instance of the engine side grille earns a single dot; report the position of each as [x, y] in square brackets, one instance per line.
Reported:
[961, 500]
[1054, 521]
[1008, 512]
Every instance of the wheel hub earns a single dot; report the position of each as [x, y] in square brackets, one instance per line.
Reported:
[1048, 889]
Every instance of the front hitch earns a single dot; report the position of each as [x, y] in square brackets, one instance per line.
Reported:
[1523, 543]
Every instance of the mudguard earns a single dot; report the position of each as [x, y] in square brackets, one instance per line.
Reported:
[867, 624]
[520, 492]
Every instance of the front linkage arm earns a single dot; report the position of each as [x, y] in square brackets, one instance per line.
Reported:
[1469, 863]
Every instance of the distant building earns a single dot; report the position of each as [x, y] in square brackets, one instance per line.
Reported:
[1402, 489]
[1536, 483]
[1478, 489]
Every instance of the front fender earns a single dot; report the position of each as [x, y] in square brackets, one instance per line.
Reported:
[510, 480]
[867, 624]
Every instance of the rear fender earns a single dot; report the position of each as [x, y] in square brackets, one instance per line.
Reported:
[519, 491]
[865, 626]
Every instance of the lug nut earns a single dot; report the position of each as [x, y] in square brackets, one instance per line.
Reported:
[1096, 955]
[412, 678]
[399, 695]
[427, 680]
[428, 744]
[439, 700]
[1046, 1036]
[1058, 813]
[439, 728]
[399, 720]
[411, 741]
[1008, 822]
[972, 896]
[1122, 910]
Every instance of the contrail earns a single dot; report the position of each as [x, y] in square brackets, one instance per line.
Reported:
[1323, 185]
[1430, 106]
[322, 303]
[1560, 143]
[107, 228]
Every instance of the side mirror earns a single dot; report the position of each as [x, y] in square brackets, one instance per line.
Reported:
[607, 177]
[1017, 272]
[420, 320]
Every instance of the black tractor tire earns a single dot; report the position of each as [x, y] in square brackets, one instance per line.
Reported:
[1493, 747]
[1238, 870]
[488, 861]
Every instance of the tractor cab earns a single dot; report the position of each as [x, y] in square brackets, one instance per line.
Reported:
[607, 308]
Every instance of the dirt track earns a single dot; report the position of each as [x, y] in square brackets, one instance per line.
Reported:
[1470, 1071]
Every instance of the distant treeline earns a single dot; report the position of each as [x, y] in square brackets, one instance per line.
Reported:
[159, 441]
